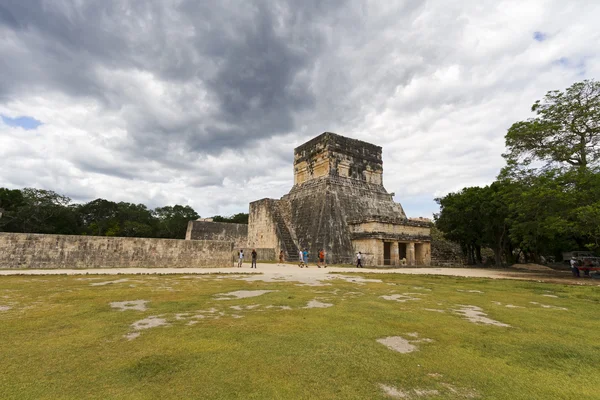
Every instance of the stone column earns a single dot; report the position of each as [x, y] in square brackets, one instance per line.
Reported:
[427, 253]
[410, 253]
[394, 254]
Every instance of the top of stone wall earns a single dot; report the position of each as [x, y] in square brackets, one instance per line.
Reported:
[204, 230]
[388, 220]
[339, 144]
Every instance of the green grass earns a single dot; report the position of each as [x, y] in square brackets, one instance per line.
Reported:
[61, 339]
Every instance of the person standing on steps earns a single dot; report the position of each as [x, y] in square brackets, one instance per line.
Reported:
[240, 258]
[253, 258]
[359, 260]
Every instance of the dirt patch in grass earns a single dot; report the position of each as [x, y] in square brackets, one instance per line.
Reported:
[548, 306]
[146, 323]
[393, 392]
[507, 305]
[477, 316]
[4, 308]
[318, 304]
[408, 394]
[132, 335]
[434, 310]
[138, 305]
[355, 279]
[398, 343]
[396, 393]
[280, 307]
[149, 322]
[400, 298]
[109, 282]
[242, 294]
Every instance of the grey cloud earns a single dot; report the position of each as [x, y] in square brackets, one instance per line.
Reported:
[249, 57]
[93, 166]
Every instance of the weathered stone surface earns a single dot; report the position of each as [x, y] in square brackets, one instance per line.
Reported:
[205, 230]
[28, 250]
[338, 203]
[262, 254]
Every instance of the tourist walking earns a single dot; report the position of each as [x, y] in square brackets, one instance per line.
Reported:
[281, 257]
[240, 258]
[253, 259]
[321, 259]
[305, 257]
[574, 269]
[300, 258]
[359, 260]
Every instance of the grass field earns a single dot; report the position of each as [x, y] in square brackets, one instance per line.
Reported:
[77, 337]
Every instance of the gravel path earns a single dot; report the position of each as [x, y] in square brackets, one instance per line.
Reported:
[290, 272]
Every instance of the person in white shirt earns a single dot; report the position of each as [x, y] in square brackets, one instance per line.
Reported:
[574, 268]
[241, 258]
[359, 260]
[301, 258]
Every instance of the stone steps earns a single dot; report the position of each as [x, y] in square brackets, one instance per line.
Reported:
[290, 248]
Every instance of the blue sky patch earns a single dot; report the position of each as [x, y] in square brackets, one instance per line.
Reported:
[539, 36]
[25, 122]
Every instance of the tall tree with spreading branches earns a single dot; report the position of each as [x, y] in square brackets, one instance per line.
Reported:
[566, 131]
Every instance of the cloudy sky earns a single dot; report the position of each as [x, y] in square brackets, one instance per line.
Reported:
[202, 102]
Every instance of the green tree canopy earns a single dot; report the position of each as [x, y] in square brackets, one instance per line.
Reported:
[566, 130]
[239, 218]
[173, 220]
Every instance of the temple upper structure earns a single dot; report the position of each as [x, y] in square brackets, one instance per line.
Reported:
[338, 203]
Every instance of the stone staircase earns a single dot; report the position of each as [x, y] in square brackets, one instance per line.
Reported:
[289, 245]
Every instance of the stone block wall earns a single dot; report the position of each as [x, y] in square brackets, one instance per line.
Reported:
[262, 231]
[373, 226]
[262, 254]
[371, 249]
[204, 230]
[28, 250]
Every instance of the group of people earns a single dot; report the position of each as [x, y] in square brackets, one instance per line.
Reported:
[302, 256]
[241, 258]
[586, 264]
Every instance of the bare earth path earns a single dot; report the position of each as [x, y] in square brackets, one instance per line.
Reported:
[314, 275]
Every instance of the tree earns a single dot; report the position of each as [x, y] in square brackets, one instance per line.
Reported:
[495, 213]
[45, 211]
[135, 220]
[173, 220]
[98, 216]
[10, 201]
[566, 130]
[239, 218]
[461, 220]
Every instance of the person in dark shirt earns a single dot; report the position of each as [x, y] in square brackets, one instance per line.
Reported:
[253, 258]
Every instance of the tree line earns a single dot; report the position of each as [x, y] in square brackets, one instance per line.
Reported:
[44, 211]
[546, 200]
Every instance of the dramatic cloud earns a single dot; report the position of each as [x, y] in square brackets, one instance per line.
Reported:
[202, 103]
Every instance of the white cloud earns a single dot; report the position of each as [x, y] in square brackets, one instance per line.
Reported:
[182, 107]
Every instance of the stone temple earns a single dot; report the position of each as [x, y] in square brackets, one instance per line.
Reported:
[338, 203]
